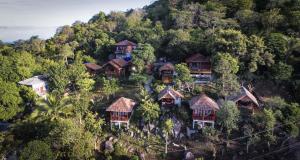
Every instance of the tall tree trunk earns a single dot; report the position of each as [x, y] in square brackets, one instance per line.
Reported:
[166, 146]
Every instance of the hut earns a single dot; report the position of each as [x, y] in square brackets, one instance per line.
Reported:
[120, 111]
[204, 110]
[200, 67]
[166, 72]
[170, 97]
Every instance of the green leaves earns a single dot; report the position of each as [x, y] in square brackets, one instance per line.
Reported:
[228, 116]
[10, 100]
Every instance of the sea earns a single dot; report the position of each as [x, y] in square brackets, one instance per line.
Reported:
[10, 34]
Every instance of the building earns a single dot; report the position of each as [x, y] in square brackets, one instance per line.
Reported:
[245, 100]
[167, 72]
[204, 110]
[92, 68]
[200, 68]
[115, 68]
[120, 111]
[37, 83]
[169, 97]
[124, 49]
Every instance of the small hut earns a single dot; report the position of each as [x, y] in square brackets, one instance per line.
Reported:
[200, 67]
[204, 110]
[170, 97]
[166, 72]
[124, 49]
[246, 100]
[120, 111]
[115, 68]
[92, 68]
[37, 83]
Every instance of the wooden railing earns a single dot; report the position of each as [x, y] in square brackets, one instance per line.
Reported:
[206, 118]
[119, 118]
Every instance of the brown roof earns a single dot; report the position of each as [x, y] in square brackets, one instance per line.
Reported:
[169, 92]
[121, 105]
[198, 58]
[244, 93]
[167, 66]
[203, 101]
[92, 66]
[126, 43]
[117, 63]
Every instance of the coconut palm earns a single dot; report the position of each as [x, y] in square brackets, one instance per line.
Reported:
[54, 108]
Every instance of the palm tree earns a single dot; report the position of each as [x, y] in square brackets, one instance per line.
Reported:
[167, 129]
[54, 108]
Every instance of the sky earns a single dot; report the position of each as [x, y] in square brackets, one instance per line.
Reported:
[49, 13]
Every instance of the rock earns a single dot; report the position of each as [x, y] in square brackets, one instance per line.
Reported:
[115, 141]
[151, 127]
[189, 156]
[142, 156]
[189, 132]
[181, 135]
[109, 146]
[110, 138]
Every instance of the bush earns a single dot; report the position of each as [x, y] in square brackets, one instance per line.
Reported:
[36, 150]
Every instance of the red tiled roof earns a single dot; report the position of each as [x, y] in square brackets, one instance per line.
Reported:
[126, 43]
[167, 66]
[197, 58]
[117, 63]
[203, 101]
[122, 105]
[169, 92]
[92, 66]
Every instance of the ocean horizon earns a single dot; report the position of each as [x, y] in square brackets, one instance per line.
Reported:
[9, 34]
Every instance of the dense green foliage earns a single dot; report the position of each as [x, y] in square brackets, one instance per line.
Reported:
[248, 41]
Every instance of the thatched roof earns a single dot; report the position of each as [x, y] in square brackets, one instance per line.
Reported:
[126, 43]
[203, 101]
[197, 58]
[244, 93]
[167, 66]
[169, 92]
[121, 105]
[92, 66]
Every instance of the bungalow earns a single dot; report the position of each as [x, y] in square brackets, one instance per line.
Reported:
[37, 83]
[120, 111]
[115, 68]
[166, 72]
[200, 68]
[92, 68]
[124, 49]
[170, 97]
[245, 100]
[204, 110]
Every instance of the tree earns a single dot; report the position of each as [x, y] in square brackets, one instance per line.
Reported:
[79, 76]
[36, 150]
[277, 44]
[271, 19]
[58, 77]
[54, 107]
[183, 75]
[94, 125]
[228, 116]
[143, 55]
[71, 141]
[10, 100]
[228, 41]
[148, 109]
[269, 123]
[110, 86]
[66, 52]
[257, 54]
[226, 67]
[167, 129]
[251, 138]
[282, 71]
